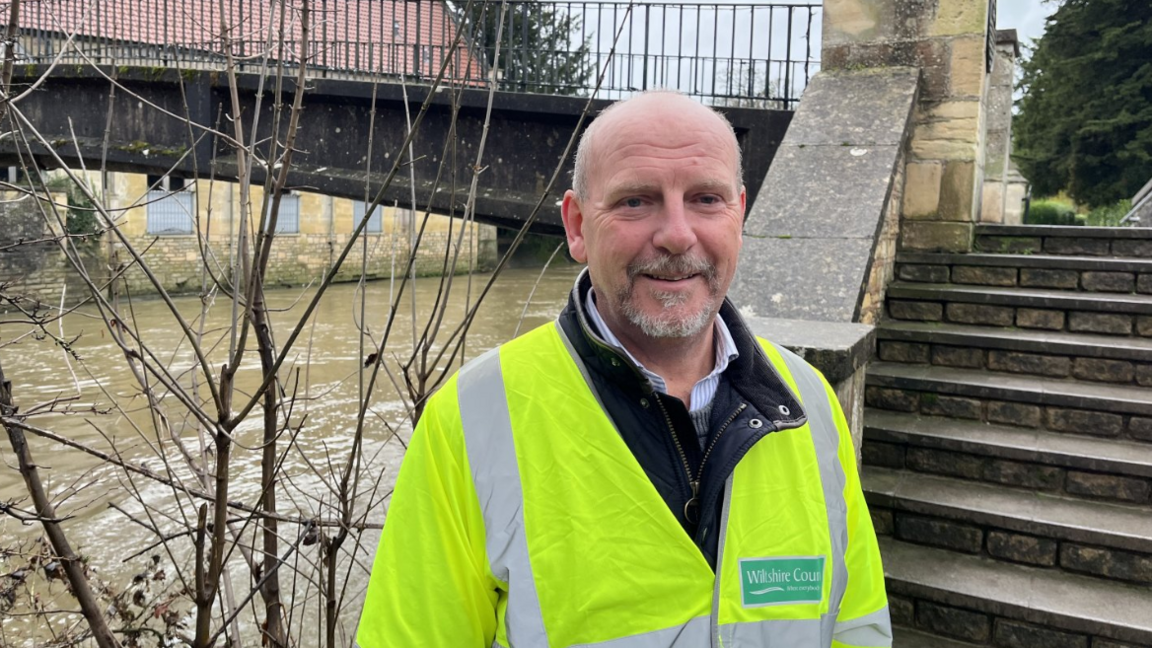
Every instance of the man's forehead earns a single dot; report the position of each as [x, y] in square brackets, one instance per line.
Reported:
[658, 111]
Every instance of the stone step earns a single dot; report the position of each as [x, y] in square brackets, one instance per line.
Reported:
[1056, 310]
[985, 601]
[1111, 541]
[1090, 274]
[1067, 452]
[1134, 242]
[1085, 356]
[904, 637]
[1067, 406]
[1121, 399]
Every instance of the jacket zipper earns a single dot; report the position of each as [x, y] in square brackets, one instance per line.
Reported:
[694, 484]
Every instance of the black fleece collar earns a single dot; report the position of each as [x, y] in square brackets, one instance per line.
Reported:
[751, 374]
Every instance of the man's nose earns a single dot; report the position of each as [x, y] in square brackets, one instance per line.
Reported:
[675, 234]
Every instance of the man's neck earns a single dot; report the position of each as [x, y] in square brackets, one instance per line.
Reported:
[680, 361]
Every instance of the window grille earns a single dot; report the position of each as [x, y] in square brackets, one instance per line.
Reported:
[375, 223]
[288, 222]
[171, 206]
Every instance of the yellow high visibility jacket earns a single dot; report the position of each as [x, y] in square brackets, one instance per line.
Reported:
[521, 519]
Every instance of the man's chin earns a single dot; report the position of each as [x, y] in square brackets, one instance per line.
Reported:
[665, 325]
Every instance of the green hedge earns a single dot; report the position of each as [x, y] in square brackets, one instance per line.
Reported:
[1110, 215]
[1051, 212]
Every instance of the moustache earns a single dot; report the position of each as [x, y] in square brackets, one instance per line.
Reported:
[673, 265]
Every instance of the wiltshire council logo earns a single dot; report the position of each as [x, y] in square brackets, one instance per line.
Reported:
[778, 581]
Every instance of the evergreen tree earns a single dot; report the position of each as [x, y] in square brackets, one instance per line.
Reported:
[1084, 122]
[536, 52]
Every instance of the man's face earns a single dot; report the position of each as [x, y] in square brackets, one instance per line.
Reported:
[661, 225]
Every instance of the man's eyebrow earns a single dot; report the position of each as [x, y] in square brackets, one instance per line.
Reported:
[631, 188]
[708, 184]
[713, 184]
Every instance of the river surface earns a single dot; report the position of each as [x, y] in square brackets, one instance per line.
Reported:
[108, 509]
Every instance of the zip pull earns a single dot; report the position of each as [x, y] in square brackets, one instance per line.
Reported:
[692, 506]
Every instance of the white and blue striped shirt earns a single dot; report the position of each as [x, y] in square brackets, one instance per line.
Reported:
[704, 390]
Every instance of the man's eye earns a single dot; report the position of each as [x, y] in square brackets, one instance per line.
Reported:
[633, 202]
[709, 200]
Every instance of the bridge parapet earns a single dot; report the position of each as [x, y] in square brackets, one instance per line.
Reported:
[758, 55]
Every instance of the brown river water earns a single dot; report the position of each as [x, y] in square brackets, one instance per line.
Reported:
[324, 369]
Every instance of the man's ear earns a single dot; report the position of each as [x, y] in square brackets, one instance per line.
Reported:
[574, 226]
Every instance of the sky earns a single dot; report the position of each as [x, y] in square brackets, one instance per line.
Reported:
[1025, 16]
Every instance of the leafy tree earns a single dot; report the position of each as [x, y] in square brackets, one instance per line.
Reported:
[536, 52]
[1085, 118]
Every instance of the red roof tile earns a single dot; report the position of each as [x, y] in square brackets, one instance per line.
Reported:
[387, 36]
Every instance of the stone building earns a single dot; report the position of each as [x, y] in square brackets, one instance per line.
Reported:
[188, 231]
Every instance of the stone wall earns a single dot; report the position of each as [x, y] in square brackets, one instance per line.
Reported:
[177, 261]
[998, 141]
[947, 41]
[884, 253]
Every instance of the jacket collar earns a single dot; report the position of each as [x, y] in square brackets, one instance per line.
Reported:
[751, 374]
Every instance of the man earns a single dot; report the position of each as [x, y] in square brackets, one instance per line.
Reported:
[644, 472]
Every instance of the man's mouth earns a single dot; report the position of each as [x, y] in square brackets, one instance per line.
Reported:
[670, 277]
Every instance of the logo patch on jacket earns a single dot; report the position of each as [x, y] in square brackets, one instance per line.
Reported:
[779, 581]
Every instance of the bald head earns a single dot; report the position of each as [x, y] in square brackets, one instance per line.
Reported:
[637, 112]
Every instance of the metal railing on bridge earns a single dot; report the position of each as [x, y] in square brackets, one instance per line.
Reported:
[754, 55]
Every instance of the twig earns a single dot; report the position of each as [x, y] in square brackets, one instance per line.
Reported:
[539, 278]
[73, 568]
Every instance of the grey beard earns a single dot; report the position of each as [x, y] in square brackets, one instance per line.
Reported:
[664, 327]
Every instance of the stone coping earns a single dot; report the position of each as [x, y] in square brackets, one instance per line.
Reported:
[810, 237]
[837, 349]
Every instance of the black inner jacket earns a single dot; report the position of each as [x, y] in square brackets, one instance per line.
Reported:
[751, 401]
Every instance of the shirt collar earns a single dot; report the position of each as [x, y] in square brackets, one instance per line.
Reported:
[724, 345]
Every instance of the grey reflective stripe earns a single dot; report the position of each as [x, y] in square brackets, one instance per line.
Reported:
[869, 631]
[496, 477]
[693, 634]
[719, 562]
[779, 633]
[826, 439]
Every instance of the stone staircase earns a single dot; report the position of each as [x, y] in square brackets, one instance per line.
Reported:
[1008, 441]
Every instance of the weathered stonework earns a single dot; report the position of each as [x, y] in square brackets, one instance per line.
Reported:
[884, 252]
[999, 180]
[953, 622]
[1036, 318]
[939, 533]
[1128, 489]
[1010, 413]
[963, 357]
[1029, 363]
[1022, 548]
[1107, 323]
[951, 406]
[936, 237]
[908, 352]
[1014, 633]
[946, 40]
[916, 310]
[1085, 422]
